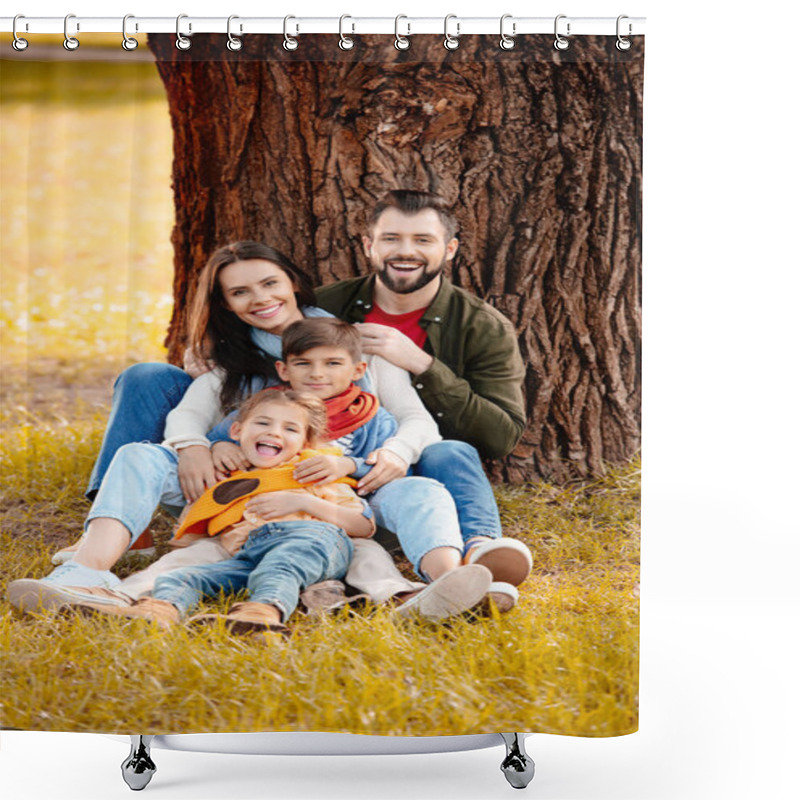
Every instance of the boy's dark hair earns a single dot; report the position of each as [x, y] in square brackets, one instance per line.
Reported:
[316, 412]
[302, 336]
[410, 201]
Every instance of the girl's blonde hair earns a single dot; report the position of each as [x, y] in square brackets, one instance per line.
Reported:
[316, 413]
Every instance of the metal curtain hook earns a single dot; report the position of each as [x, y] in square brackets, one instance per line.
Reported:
[289, 42]
[234, 43]
[507, 42]
[181, 41]
[19, 43]
[128, 42]
[560, 42]
[451, 42]
[622, 42]
[70, 42]
[401, 42]
[345, 42]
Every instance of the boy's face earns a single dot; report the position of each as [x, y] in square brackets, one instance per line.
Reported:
[321, 371]
[272, 434]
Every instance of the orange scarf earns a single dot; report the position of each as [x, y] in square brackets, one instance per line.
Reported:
[222, 505]
[350, 410]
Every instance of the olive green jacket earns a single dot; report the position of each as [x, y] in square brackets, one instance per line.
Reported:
[473, 389]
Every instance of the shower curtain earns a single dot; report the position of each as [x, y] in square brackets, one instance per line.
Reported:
[123, 171]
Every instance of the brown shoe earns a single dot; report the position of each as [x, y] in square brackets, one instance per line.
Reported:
[503, 596]
[243, 619]
[159, 611]
[509, 560]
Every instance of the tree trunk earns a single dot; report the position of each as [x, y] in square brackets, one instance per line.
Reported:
[539, 151]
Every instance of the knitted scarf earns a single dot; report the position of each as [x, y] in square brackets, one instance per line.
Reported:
[350, 410]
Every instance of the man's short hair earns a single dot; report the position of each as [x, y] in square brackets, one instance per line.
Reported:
[304, 335]
[410, 201]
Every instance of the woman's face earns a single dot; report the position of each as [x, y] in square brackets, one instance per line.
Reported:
[260, 293]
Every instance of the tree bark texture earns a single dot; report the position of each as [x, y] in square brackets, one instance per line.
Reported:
[538, 150]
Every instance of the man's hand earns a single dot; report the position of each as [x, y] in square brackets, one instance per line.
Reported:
[195, 471]
[388, 467]
[394, 346]
[270, 505]
[194, 365]
[227, 458]
[323, 469]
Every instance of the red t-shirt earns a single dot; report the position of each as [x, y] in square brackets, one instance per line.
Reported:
[405, 323]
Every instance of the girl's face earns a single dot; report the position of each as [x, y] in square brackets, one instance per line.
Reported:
[260, 293]
[272, 434]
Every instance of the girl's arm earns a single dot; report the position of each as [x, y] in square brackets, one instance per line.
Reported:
[416, 428]
[350, 517]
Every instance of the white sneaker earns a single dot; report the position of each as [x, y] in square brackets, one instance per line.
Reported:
[509, 560]
[53, 591]
[449, 595]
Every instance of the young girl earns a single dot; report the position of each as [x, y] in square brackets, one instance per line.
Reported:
[300, 536]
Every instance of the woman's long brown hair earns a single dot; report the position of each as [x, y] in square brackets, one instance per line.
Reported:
[217, 334]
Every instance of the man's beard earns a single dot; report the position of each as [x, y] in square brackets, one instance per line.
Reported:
[409, 286]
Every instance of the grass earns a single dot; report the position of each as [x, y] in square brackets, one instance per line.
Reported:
[563, 661]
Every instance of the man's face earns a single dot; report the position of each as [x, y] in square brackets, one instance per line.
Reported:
[324, 372]
[408, 251]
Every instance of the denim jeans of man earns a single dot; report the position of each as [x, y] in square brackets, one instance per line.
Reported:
[276, 563]
[458, 467]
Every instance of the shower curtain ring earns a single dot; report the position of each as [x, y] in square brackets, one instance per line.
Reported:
[234, 42]
[345, 42]
[561, 43]
[401, 42]
[19, 43]
[289, 42]
[507, 42]
[451, 42]
[182, 42]
[623, 43]
[70, 42]
[128, 42]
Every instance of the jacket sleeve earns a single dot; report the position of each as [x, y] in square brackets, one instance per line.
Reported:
[485, 406]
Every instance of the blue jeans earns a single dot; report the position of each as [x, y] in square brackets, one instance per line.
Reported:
[143, 396]
[277, 562]
[422, 514]
[458, 467]
[139, 478]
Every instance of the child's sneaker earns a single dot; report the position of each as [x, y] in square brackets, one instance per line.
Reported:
[48, 593]
[242, 619]
[503, 596]
[141, 548]
[451, 594]
[508, 560]
[159, 611]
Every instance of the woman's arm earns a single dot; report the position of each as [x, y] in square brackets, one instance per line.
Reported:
[416, 428]
[197, 413]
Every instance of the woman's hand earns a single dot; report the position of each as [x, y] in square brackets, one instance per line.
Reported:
[323, 469]
[227, 458]
[271, 505]
[195, 365]
[388, 467]
[195, 471]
